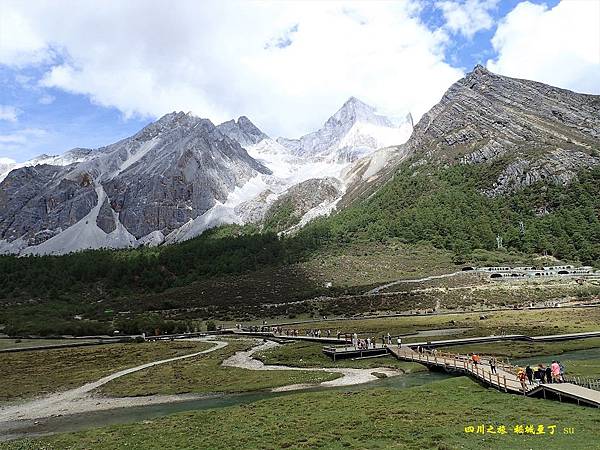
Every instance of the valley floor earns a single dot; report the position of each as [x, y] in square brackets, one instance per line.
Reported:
[414, 409]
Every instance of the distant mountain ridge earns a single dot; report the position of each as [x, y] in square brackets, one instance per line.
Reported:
[169, 182]
[182, 174]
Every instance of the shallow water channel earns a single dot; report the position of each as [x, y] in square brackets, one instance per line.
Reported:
[83, 421]
[78, 422]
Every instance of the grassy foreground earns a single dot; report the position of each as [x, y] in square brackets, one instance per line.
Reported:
[427, 417]
[205, 374]
[32, 373]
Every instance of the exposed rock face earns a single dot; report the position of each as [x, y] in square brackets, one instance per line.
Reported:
[557, 167]
[38, 202]
[305, 196]
[243, 131]
[187, 167]
[254, 210]
[170, 172]
[105, 220]
[542, 132]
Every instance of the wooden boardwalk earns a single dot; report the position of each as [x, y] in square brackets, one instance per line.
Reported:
[505, 378]
[506, 337]
[344, 339]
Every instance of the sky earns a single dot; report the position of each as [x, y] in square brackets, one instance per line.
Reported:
[84, 73]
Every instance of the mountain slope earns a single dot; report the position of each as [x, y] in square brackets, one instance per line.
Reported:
[496, 157]
[166, 175]
[544, 133]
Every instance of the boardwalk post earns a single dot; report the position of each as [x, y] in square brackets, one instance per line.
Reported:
[504, 378]
[498, 378]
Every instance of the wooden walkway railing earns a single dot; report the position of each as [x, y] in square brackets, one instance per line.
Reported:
[504, 379]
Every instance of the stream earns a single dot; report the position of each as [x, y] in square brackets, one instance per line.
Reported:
[101, 418]
[84, 421]
[351, 380]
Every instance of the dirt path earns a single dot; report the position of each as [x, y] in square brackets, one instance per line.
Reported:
[245, 360]
[81, 400]
[417, 280]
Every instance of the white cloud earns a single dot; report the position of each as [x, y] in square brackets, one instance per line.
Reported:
[467, 17]
[287, 65]
[46, 99]
[20, 43]
[558, 46]
[21, 137]
[9, 113]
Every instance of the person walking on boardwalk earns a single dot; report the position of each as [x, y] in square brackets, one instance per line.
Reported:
[389, 338]
[399, 342]
[529, 373]
[555, 368]
[562, 371]
[542, 373]
[537, 375]
[493, 364]
[522, 377]
[548, 374]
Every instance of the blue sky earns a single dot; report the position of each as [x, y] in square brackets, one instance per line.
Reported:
[91, 75]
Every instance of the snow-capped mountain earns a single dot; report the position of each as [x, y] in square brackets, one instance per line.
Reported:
[6, 165]
[141, 188]
[178, 177]
[70, 157]
[354, 131]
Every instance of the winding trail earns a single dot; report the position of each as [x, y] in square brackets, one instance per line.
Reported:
[417, 280]
[81, 400]
[245, 360]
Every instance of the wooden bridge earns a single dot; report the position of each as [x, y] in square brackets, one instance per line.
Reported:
[505, 378]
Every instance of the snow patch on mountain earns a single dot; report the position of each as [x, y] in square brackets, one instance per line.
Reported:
[352, 132]
[72, 156]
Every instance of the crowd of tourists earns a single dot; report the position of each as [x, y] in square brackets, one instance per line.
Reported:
[552, 373]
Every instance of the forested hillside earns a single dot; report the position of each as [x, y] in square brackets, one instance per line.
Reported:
[440, 206]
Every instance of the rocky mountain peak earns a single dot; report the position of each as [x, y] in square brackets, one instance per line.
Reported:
[242, 131]
[353, 111]
[480, 70]
[537, 131]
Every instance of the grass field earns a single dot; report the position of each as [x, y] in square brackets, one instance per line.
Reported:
[529, 322]
[21, 343]
[307, 354]
[205, 374]
[31, 373]
[515, 350]
[427, 417]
